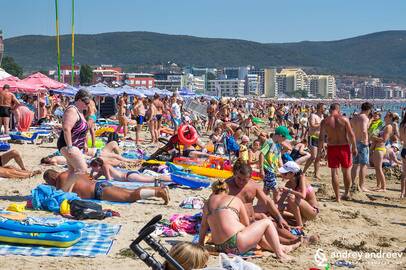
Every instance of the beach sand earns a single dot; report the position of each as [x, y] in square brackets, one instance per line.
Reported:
[368, 224]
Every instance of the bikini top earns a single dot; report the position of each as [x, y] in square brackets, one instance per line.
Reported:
[224, 208]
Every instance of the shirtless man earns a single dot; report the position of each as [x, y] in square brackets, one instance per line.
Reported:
[7, 101]
[340, 136]
[91, 118]
[102, 190]
[313, 140]
[159, 112]
[121, 114]
[139, 113]
[359, 124]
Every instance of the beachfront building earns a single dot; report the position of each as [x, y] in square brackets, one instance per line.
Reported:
[225, 88]
[236, 72]
[271, 89]
[252, 84]
[169, 81]
[108, 74]
[322, 86]
[66, 74]
[145, 80]
[291, 80]
[196, 84]
[261, 76]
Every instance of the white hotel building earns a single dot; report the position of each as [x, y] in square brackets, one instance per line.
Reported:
[225, 88]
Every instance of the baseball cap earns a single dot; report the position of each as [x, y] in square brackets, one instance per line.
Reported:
[289, 166]
[283, 131]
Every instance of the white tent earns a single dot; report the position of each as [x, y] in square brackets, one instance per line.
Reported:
[3, 74]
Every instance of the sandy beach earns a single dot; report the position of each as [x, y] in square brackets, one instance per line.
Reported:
[373, 223]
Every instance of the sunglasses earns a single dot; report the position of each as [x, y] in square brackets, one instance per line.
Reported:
[85, 100]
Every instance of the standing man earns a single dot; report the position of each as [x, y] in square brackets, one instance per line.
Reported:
[121, 115]
[359, 124]
[314, 135]
[176, 113]
[159, 112]
[338, 130]
[139, 113]
[7, 102]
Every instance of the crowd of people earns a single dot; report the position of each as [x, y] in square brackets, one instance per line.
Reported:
[277, 142]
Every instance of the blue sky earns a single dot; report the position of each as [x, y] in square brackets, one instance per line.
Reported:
[257, 20]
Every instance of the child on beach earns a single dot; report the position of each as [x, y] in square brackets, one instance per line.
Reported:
[243, 155]
[256, 158]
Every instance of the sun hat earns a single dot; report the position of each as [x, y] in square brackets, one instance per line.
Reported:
[245, 138]
[283, 131]
[289, 166]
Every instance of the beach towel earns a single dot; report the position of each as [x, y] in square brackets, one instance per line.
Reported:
[97, 239]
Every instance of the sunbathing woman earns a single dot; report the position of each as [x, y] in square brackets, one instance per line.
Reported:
[102, 168]
[230, 228]
[11, 172]
[301, 199]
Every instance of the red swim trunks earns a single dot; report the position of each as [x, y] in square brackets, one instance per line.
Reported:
[339, 155]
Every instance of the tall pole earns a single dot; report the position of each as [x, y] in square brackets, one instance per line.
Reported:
[73, 42]
[57, 40]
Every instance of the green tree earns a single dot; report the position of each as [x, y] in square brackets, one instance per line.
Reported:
[11, 67]
[86, 75]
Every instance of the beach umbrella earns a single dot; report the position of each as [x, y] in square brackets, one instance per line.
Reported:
[68, 91]
[17, 85]
[146, 92]
[3, 74]
[103, 90]
[43, 81]
[131, 91]
[186, 92]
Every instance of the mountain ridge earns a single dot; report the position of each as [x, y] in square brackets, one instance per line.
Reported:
[376, 54]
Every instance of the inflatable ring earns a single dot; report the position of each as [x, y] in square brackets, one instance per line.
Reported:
[187, 135]
[102, 130]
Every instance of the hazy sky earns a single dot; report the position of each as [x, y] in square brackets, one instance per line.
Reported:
[257, 20]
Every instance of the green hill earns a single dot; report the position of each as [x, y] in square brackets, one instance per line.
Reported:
[378, 54]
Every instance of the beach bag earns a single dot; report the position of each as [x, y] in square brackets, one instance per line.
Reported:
[232, 145]
[86, 210]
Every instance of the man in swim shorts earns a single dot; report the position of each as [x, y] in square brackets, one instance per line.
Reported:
[101, 190]
[338, 130]
[313, 140]
[7, 101]
[359, 124]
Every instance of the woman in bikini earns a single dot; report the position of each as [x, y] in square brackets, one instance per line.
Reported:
[301, 198]
[402, 134]
[378, 147]
[256, 158]
[101, 168]
[231, 231]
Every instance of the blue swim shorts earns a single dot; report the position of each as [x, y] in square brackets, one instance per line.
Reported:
[363, 154]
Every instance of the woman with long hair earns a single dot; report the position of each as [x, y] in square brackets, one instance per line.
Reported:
[301, 198]
[378, 147]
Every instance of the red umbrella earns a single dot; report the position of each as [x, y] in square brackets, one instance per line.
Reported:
[43, 81]
[16, 85]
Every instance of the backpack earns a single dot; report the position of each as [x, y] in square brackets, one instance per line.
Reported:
[86, 210]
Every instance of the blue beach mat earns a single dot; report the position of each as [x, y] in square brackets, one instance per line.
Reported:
[97, 239]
